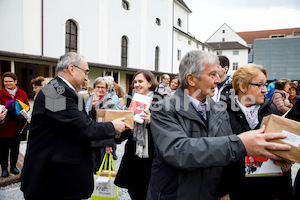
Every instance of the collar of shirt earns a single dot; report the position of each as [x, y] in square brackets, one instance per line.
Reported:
[196, 102]
[219, 85]
[68, 83]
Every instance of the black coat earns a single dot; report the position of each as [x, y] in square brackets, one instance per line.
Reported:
[234, 180]
[295, 115]
[134, 172]
[58, 161]
[295, 111]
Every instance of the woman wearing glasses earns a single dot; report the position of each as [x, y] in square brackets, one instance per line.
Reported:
[246, 110]
[100, 99]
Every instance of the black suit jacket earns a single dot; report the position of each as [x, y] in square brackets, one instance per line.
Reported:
[58, 161]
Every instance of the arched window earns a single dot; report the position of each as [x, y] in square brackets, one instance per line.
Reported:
[156, 58]
[179, 22]
[71, 36]
[157, 20]
[124, 51]
[125, 4]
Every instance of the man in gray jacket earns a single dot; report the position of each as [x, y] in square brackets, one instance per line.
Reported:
[193, 136]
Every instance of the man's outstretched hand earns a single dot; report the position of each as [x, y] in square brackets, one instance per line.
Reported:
[257, 143]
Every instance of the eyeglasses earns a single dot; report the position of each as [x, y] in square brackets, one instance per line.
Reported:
[260, 85]
[86, 71]
[102, 88]
[213, 74]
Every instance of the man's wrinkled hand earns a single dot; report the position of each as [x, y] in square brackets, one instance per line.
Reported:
[120, 126]
[257, 143]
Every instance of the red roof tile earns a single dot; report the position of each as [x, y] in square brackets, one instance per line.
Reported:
[250, 36]
[226, 45]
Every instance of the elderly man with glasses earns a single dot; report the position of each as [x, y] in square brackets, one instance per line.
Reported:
[58, 162]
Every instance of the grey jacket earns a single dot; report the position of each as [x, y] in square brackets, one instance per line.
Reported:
[189, 153]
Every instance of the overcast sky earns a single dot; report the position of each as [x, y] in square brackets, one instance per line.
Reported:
[244, 15]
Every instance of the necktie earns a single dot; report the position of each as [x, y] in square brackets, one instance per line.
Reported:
[202, 110]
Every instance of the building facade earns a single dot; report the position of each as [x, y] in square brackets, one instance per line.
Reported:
[226, 42]
[277, 50]
[116, 37]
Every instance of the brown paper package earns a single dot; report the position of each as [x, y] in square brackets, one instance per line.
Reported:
[110, 115]
[276, 124]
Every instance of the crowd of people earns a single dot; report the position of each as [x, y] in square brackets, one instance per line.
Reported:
[192, 144]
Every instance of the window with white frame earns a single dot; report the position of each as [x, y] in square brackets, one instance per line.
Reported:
[178, 54]
[235, 52]
[235, 66]
[156, 58]
[219, 53]
[71, 36]
[125, 4]
[124, 51]
[157, 21]
[179, 22]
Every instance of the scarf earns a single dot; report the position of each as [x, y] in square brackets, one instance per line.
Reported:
[251, 114]
[292, 97]
[140, 135]
[96, 99]
[12, 93]
[171, 91]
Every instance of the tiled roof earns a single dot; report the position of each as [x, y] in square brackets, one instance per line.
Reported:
[250, 36]
[182, 3]
[226, 45]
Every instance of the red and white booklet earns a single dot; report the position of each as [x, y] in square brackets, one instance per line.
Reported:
[256, 166]
[138, 103]
[3, 110]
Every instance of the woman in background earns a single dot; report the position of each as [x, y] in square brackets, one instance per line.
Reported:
[36, 84]
[171, 89]
[100, 99]
[10, 123]
[281, 96]
[293, 93]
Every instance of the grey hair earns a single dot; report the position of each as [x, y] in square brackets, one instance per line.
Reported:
[100, 80]
[110, 78]
[66, 60]
[193, 63]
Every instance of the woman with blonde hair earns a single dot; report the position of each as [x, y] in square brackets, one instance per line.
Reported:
[246, 108]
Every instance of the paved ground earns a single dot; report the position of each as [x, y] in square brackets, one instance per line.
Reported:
[12, 192]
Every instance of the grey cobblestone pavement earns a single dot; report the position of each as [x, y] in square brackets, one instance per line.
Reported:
[13, 192]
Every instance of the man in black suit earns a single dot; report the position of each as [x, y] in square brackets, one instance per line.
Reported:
[58, 161]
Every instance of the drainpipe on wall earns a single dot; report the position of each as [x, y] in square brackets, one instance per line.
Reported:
[172, 38]
[42, 28]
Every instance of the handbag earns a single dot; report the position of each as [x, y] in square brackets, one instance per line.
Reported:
[104, 187]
